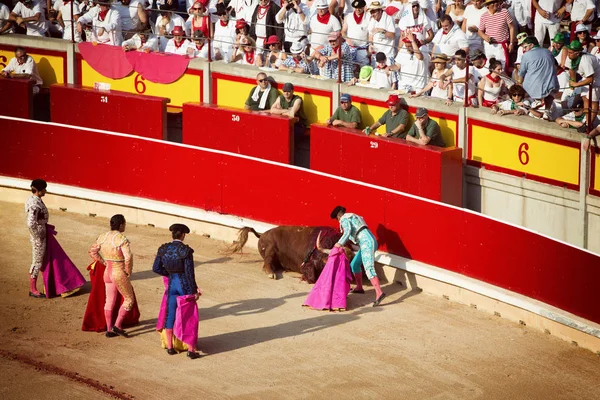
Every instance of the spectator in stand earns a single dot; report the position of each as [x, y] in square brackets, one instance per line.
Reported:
[178, 44]
[144, 40]
[346, 115]
[243, 9]
[498, 32]
[576, 119]
[294, 17]
[199, 48]
[547, 18]
[22, 66]
[245, 52]
[412, 62]
[106, 24]
[5, 25]
[356, 32]
[242, 29]
[425, 130]
[321, 25]
[491, 86]
[596, 49]
[440, 62]
[380, 77]
[224, 35]
[165, 23]
[381, 31]
[29, 14]
[558, 49]
[520, 11]
[459, 77]
[539, 75]
[199, 19]
[582, 12]
[584, 37]
[479, 62]
[290, 105]
[263, 96]
[133, 16]
[264, 25]
[65, 20]
[588, 67]
[456, 11]
[299, 61]
[450, 38]
[470, 24]
[328, 58]
[395, 119]
[275, 57]
[416, 22]
[517, 104]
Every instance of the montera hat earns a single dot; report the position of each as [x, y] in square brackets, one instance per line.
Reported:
[179, 228]
[39, 184]
[336, 211]
[359, 4]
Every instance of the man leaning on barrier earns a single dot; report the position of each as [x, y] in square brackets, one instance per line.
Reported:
[346, 115]
[425, 130]
[263, 96]
[22, 66]
[395, 119]
[290, 104]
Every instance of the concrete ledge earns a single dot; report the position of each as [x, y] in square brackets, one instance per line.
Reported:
[412, 273]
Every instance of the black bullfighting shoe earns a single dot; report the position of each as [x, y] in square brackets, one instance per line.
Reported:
[379, 299]
[193, 355]
[119, 331]
[110, 334]
[171, 352]
[36, 295]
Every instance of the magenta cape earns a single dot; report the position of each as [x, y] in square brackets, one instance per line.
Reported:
[186, 317]
[332, 287]
[93, 319]
[60, 274]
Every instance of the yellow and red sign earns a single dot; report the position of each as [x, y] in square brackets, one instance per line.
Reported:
[188, 88]
[543, 158]
[232, 91]
[51, 64]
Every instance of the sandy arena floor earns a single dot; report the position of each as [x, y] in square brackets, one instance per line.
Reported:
[258, 340]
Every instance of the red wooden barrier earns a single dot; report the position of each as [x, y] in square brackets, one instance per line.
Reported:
[444, 236]
[84, 106]
[261, 135]
[427, 171]
[16, 98]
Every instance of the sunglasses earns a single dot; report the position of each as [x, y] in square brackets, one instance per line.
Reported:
[343, 102]
[333, 41]
[261, 80]
[196, 9]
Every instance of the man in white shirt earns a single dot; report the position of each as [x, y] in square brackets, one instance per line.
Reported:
[381, 30]
[416, 22]
[470, 24]
[547, 18]
[133, 16]
[294, 17]
[144, 41]
[321, 25]
[356, 31]
[165, 23]
[582, 12]
[106, 24]
[224, 35]
[588, 67]
[5, 24]
[450, 38]
[30, 14]
[243, 9]
[413, 63]
[458, 73]
[178, 44]
[22, 66]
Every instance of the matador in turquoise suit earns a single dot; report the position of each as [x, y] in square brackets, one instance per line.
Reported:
[354, 228]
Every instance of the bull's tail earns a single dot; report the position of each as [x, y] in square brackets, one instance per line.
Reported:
[238, 245]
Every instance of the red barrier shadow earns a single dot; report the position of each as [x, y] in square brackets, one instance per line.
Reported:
[261, 135]
[427, 171]
[16, 98]
[447, 237]
[106, 110]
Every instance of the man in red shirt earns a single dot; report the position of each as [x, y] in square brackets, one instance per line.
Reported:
[497, 31]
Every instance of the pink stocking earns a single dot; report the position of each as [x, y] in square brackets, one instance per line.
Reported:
[358, 279]
[122, 313]
[33, 285]
[169, 334]
[375, 283]
[108, 318]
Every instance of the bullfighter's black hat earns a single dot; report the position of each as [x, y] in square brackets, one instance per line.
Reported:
[179, 228]
[39, 184]
[336, 211]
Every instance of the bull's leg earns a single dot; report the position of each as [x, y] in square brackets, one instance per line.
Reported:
[270, 259]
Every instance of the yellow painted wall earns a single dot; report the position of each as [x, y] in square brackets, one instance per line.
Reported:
[371, 113]
[596, 183]
[234, 94]
[520, 153]
[50, 67]
[185, 89]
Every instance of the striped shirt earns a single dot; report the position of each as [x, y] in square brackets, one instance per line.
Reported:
[496, 25]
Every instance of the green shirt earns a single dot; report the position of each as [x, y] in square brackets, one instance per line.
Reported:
[432, 131]
[254, 104]
[391, 122]
[352, 115]
[286, 105]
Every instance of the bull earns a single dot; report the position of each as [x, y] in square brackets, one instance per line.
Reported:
[293, 248]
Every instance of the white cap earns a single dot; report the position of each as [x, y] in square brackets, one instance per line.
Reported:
[322, 4]
[297, 48]
[581, 28]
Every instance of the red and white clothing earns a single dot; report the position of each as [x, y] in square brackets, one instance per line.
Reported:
[491, 94]
[168, 25]
[129, 15]
[437, 92]
[180, 48]
[550, 24]
[28, 67]
[38, 28]
[578, 10]
[414, 73]
[4, 14]
[381, 43]
[136, 41]
[417, 26]
[65, 12]
[106, 26]
[320, 30]
[473, 15]
[458, 89]
[261, 26]
[201, 51]
[293, 26]
[243, 8]
[224, 38]
[497, 27]
[192, 25]
[358, 31]
[449, 43]
[248, 57]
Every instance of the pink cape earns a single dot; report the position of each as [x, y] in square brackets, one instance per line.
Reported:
[60, 274]
[109, 61]
[158, 67]
[186, 317]
[332, 287]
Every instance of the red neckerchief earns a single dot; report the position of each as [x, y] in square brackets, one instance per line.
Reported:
[335, 49]
[445, 33]
[143, 39]
[296, 61]
[325, 18]
[357, 19]
[249, 57]
[491, 78]
[102, 14]
[21, 63]
[177, 45]
[224, 23]
[200, 48]
[262, 11]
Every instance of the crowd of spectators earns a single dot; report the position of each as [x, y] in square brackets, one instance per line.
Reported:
[480, 53]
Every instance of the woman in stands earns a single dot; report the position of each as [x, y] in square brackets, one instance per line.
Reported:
[198, 19]
[456, 10]
[245, 52]
[274, 57]
[491, 86]
[440, 62]
[113, 250]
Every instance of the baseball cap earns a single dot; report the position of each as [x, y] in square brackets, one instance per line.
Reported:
[345, 98]
[393, 100]
[421, 112]
[288, 87]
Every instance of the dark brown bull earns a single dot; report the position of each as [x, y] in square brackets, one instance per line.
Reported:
[292, 248]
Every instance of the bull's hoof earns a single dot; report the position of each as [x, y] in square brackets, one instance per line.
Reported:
[272, 276]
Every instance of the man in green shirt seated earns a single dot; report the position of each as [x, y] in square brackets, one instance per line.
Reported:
[395, 119]
[346, 115]
[263, 96]
[290, 105]
[425, 130]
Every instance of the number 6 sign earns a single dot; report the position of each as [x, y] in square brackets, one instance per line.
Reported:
[523, 155]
